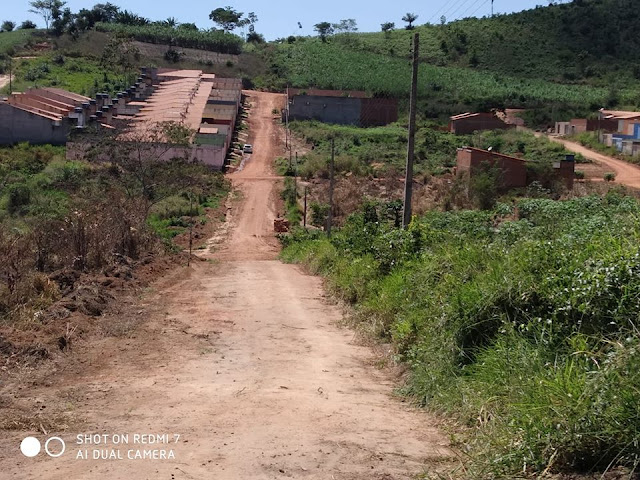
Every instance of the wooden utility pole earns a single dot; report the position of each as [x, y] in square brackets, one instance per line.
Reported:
[331, 182]
[295, 173]
[408, 183]
[304, 217]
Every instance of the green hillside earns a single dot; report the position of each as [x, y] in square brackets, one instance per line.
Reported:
[587, 40]
[578, 56]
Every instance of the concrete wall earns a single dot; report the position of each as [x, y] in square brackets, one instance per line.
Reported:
[338, 110]
[19, 126]
[211, 155]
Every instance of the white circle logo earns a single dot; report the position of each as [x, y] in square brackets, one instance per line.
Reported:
[54, 455]
[30, 447]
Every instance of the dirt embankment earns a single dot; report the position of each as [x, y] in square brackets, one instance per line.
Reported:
[242, 357]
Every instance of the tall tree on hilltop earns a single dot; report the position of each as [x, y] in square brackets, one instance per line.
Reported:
[346, 26]
[228, 18]
[46, 9]
[324, 29]
[409, 18]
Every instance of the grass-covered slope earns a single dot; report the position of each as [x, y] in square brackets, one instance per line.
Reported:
[591, 40]
[522, 322]
[572, 58]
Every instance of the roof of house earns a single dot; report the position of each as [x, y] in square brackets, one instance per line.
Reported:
[181, 96]
[619, 114]
[493, 154]
[51, 103]
[471, 115]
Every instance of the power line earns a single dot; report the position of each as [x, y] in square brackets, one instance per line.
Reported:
[449, 9]
[454, 15]
[479, 8]
[473, 8]
[435, 15]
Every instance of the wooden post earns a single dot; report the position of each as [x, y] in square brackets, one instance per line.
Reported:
[408, 183]
[331, 186]
[295, 173]
[190, 228]
[304, 218]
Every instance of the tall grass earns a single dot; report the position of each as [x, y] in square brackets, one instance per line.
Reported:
[521, 324]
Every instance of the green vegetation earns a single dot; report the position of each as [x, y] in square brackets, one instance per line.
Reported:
[82, 75]
[560, 61]
[216, 41]
[10, 41]
[60, 214]
[520, 322]
[382, 151]
[334, 65]
[566, 43]
[290, 196]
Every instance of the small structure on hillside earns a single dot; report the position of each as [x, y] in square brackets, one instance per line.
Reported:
[467, 123]
[340, 107]
[581, 125]
[513, 170]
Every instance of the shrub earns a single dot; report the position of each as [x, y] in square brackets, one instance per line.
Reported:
[27, 25]
[609, 177]
[8, 26]
[523, 328]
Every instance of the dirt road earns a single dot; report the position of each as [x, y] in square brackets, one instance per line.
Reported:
[626, 173]
[242, 358]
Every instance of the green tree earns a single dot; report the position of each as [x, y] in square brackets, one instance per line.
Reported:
[228, 18]
[409, 18]
[27, 25]
[46, 9]
[324, 29]
[345, 26]
[171, 22]
[120, 56]
[8, 26]
[387, 27]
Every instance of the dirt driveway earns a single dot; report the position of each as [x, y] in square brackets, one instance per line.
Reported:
[626, 173]
[240, 364]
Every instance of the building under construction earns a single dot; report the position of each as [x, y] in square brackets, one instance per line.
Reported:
[202, 102]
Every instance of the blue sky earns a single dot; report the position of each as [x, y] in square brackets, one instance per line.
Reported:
[279, 18]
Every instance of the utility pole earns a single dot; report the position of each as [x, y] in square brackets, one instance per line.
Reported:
[286, 114]
[331, 181]
[492, 8]
[295, 173]
[10, 75]
[408, 183]
[304, 217]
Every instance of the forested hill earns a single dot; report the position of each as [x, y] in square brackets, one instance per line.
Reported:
[582, 40]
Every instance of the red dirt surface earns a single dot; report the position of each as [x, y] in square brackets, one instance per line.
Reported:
[240, 355]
